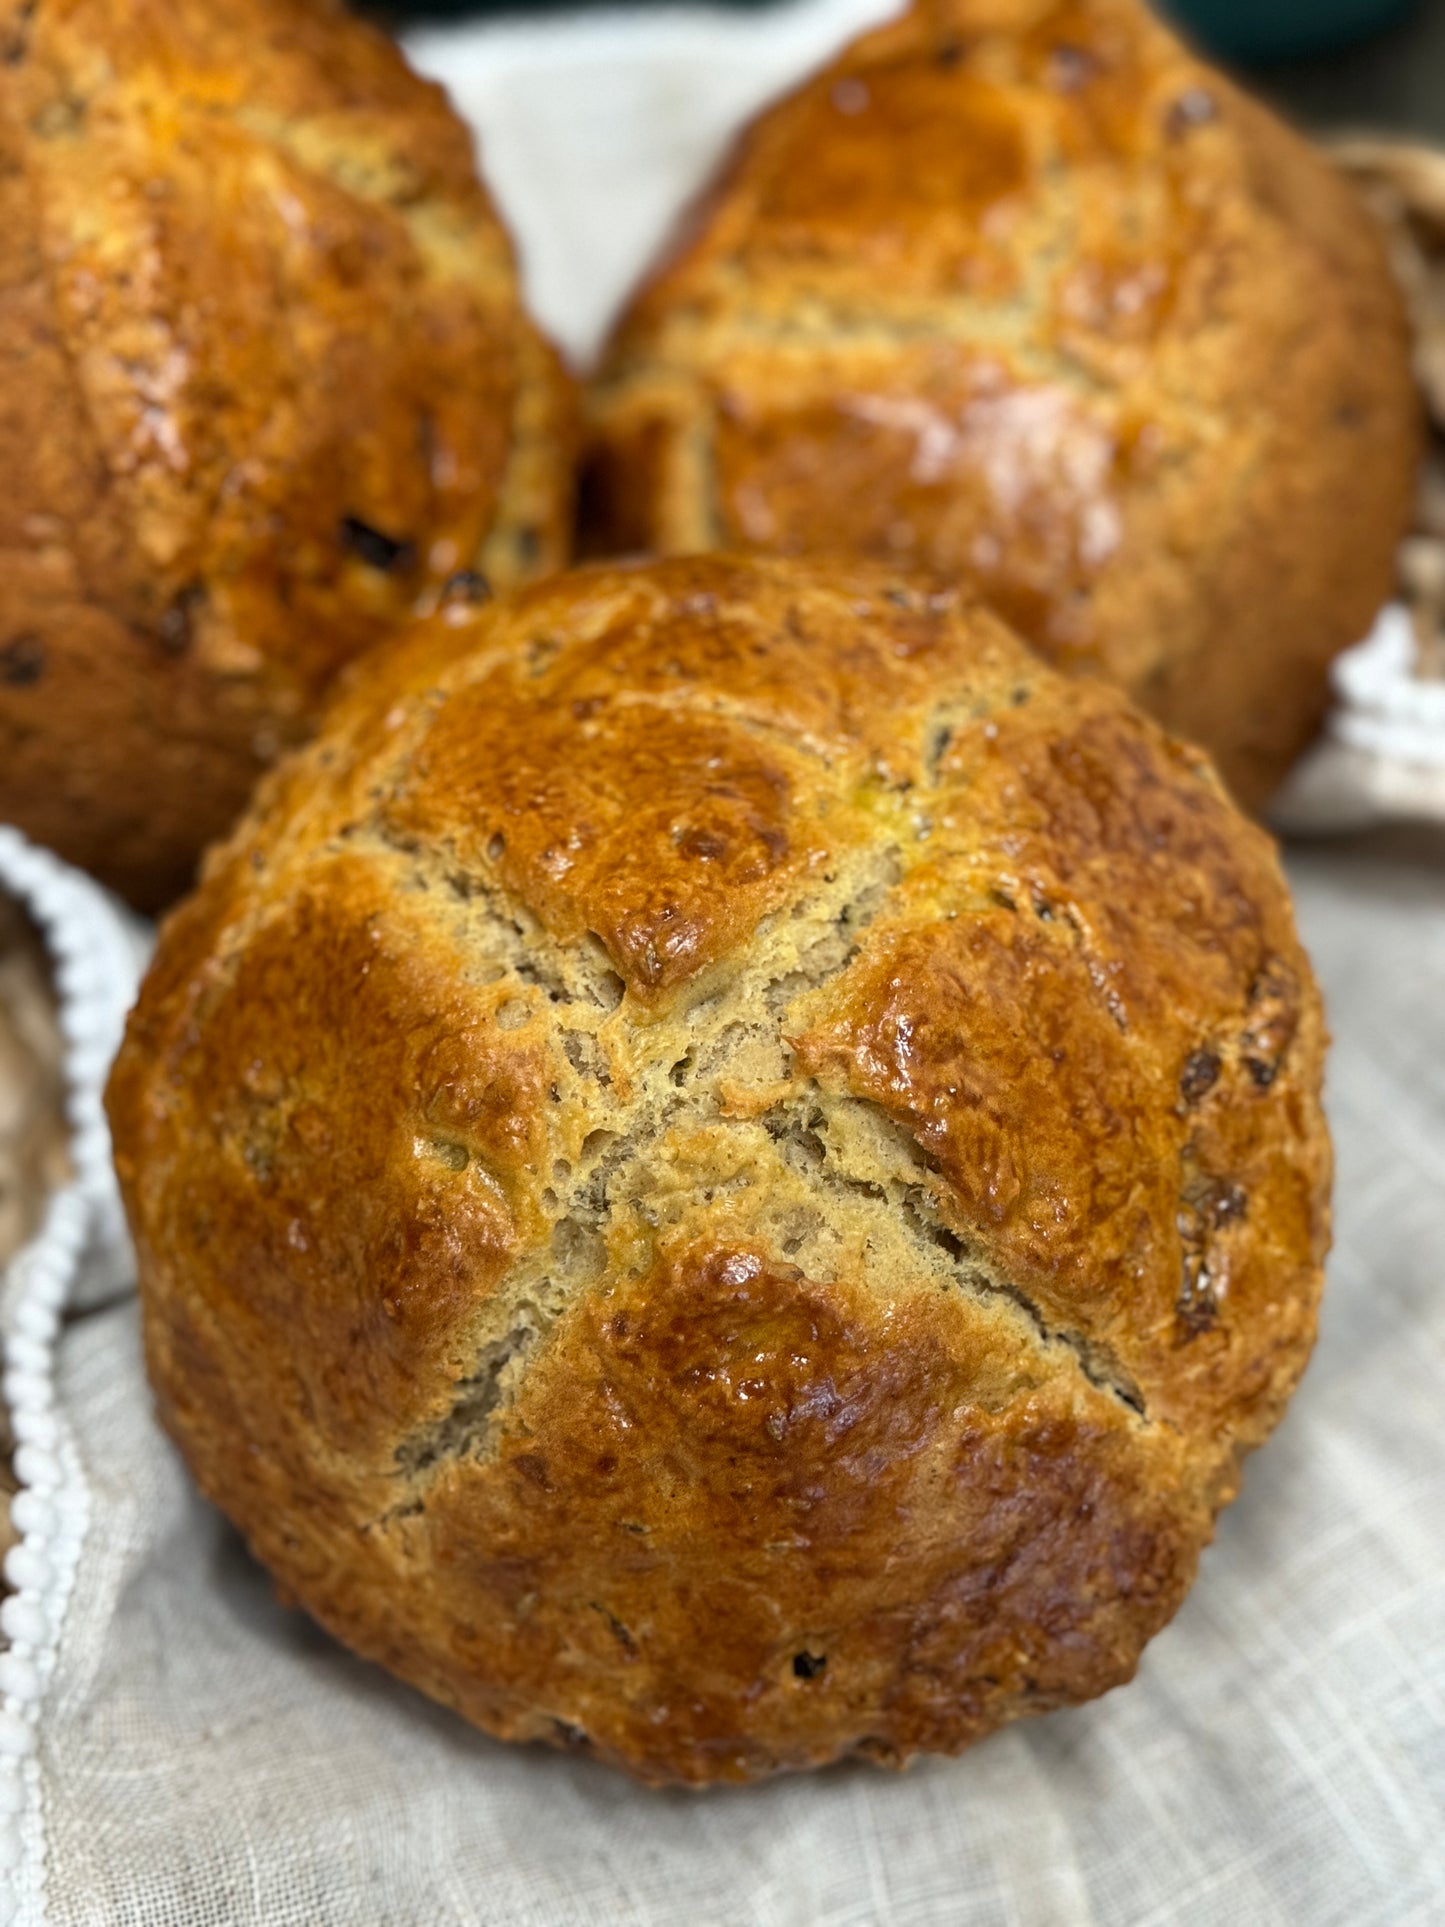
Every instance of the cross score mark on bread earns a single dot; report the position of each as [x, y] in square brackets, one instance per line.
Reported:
[725, 1168]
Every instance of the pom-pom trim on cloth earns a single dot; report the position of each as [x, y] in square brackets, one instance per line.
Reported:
[97, 958]
[1381, 757]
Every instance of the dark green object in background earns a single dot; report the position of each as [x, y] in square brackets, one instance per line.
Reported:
[1240, 30]
[1358, 63]
[1248, 30]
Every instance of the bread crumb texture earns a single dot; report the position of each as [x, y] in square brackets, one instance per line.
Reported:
[726, 1166]
[264, 378]
[1023, 291]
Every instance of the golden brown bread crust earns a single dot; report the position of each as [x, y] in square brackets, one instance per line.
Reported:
[1022, 290]
[264, 376]
[725, 1167]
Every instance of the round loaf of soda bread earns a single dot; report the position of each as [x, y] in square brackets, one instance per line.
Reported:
[1022, 290]
[726, 1166]
[264, 378]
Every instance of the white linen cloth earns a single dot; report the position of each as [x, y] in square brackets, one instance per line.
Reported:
[178, 1751]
